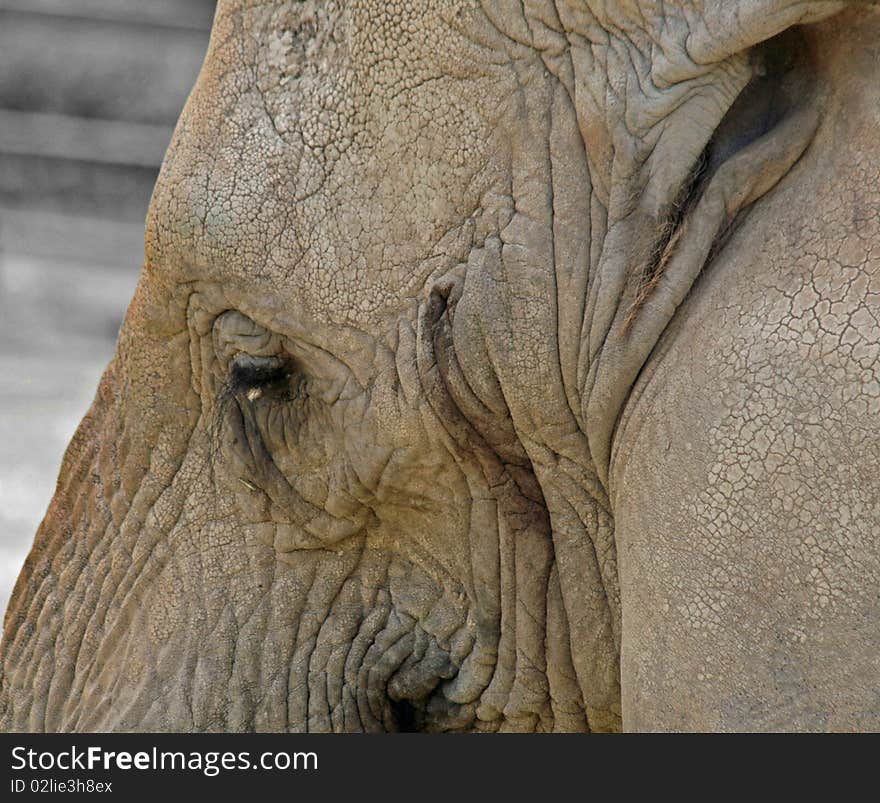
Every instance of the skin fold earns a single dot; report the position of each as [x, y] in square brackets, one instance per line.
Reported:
[494, 367]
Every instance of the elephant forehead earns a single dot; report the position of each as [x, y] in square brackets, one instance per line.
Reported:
[330, 154]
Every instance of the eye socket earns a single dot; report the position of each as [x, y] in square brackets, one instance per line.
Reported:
[239, 421]
[252, 375]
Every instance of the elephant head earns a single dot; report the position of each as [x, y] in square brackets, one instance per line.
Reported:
[362, 460]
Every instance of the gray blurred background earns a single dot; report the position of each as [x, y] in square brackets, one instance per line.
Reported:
[89, 93]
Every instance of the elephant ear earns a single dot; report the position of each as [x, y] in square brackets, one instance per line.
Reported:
[534, 343]
[685, 212]
[727, 27]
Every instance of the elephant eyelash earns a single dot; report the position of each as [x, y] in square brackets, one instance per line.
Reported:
[252, 376]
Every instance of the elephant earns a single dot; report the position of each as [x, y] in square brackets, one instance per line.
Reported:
[494, 367]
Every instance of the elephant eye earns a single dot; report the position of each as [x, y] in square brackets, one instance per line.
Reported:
[252, 376]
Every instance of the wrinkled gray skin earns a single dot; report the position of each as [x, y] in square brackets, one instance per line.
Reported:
[494, 366]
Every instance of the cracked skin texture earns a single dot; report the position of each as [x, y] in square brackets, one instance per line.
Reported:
[755, 589]
[494, 367]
